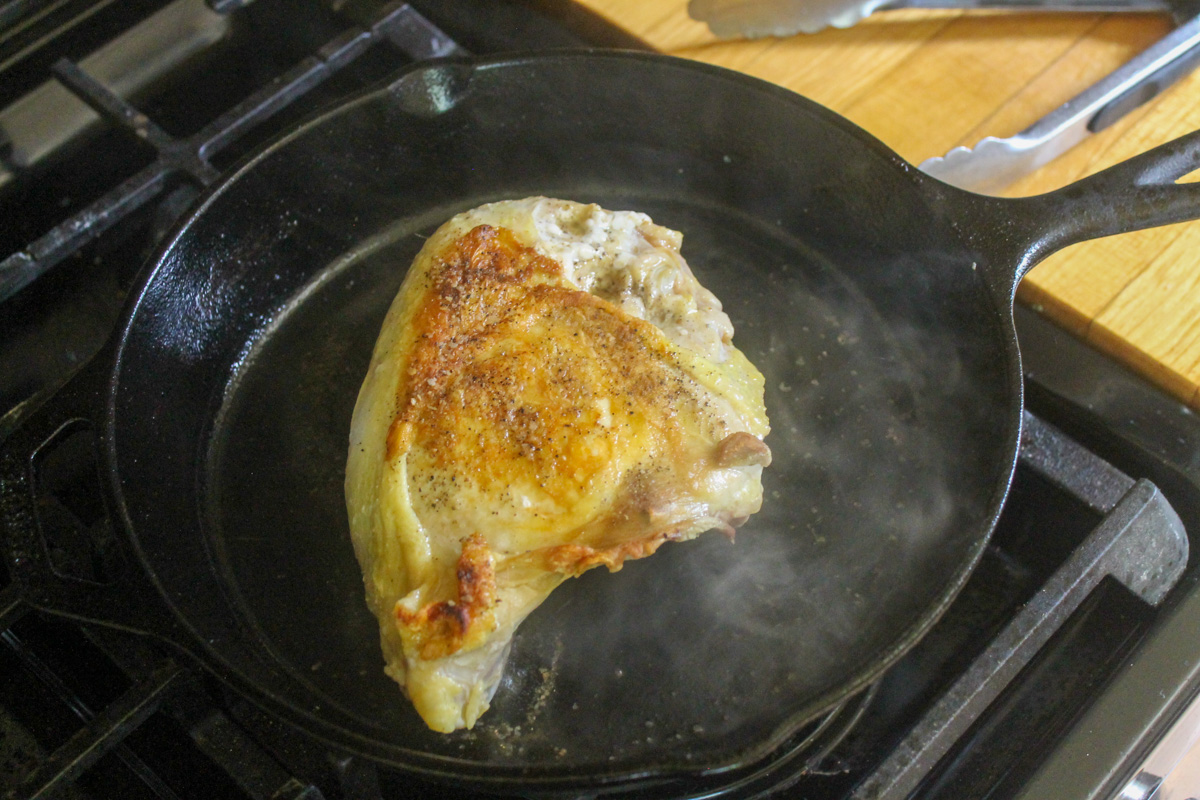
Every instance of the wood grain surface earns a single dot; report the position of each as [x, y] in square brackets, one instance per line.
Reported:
[926, 81]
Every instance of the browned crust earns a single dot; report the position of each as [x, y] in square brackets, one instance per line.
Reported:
[510, 369]
[442, 628]
[515, 378]
[742, 449]
[575, 559]
[471, 286]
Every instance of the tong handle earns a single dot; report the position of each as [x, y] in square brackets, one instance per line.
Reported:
[994, 163]
[1150, 87]
[1053, 6]
[754, 18]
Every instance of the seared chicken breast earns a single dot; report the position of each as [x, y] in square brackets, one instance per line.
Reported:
[552, 390]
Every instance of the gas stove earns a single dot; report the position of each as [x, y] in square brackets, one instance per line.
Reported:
[1060, 671]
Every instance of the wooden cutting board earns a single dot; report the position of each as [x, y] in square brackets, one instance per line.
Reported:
[926, 81]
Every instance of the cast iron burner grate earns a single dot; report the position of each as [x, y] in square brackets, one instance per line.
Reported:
[1067, 589]
[88, 711]
[191, 157]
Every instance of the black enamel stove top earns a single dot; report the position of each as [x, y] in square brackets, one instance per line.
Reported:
[1059, 669]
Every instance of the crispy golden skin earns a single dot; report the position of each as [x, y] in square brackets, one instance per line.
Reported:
[516, 430]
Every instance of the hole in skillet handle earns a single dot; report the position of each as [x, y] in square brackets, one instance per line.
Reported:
[66, 552]
[72, 515]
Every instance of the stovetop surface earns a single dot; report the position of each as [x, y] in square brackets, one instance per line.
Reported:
[88, 711]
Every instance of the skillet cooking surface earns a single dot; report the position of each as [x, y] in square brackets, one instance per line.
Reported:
[893, 416]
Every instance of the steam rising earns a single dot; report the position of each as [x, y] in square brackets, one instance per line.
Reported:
[860, 532]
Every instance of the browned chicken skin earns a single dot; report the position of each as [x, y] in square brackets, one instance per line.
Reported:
[552, 391]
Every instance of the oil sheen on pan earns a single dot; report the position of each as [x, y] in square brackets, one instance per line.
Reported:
[552, 390]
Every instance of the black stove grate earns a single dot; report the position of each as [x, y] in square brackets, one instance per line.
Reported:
[1139, 541]
[398, 24]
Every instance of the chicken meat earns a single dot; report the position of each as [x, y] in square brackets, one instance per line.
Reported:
[552, 390]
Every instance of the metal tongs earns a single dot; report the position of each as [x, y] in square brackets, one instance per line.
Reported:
[993, 163]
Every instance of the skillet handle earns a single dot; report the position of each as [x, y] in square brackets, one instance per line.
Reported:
[1142, 192]
[66, 551]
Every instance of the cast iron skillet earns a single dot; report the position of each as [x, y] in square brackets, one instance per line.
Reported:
[877, 302]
